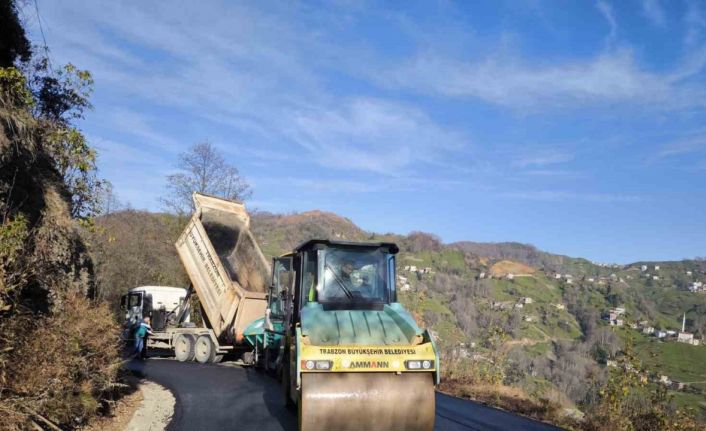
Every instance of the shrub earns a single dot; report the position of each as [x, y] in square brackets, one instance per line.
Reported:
[58, 368]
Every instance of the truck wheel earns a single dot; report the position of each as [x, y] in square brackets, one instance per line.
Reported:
[248, 358]
[205, 350]
[184, 347]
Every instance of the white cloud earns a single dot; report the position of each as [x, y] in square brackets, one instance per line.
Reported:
[502, 75]
[549, 173]
[257, 72]
[337, 186]
[607, 11]
[264, 74]
[564, 196]
[119, 153]
[612, 77]
[695, 20]
[684, 146]
[542, 159]
[653, 10]
[127, 121]
[373, 135]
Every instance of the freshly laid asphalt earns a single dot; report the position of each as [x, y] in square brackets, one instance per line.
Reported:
[222, 397]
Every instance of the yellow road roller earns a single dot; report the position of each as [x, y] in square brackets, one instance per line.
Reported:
[349, 355]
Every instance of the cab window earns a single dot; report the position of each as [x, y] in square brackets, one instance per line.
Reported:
[308, 288]
[281, 280]
[355, 275]
[134, 300]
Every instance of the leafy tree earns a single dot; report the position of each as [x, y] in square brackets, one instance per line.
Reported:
[63, 95]
[13, 41]
[61, 98]
[204, 170]
[57, 99]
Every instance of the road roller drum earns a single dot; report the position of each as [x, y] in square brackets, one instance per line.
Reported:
[366, 401]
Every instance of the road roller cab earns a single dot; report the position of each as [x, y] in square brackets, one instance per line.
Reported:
[350, 356]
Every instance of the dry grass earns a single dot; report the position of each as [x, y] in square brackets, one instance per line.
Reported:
[121, 413]
[59, 369]
[482, 382]
[505, 397]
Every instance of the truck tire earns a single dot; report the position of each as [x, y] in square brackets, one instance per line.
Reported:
[205, 350]
[184, 347]
[248, 358]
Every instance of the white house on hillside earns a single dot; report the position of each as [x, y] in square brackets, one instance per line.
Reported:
[685, 337]
[618, 310]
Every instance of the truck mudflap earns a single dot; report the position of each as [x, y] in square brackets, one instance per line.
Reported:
[383, 401]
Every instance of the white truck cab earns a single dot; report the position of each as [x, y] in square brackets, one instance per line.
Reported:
[163, 304]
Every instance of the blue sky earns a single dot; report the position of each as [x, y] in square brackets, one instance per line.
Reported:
[578, 127]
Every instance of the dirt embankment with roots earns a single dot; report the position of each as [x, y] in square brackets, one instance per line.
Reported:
[149, 408]
[58, 350]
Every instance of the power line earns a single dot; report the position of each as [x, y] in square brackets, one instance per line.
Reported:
[41, 31]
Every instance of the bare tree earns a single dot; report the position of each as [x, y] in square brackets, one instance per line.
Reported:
[108, 200]
[204, 170]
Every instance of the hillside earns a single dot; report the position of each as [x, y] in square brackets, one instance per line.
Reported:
[505, 314]
[59, 358]
[279, 233]
[530, 255]
[509, 268]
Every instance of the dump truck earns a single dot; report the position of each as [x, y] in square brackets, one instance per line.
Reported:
[349, 356]
[228, 273]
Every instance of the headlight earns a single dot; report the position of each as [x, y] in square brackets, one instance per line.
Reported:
[419, 365]
[311, 365]
[323, 365]
[413, 365]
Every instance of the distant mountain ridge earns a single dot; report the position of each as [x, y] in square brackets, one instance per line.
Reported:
[282, 232]
[289, 230]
